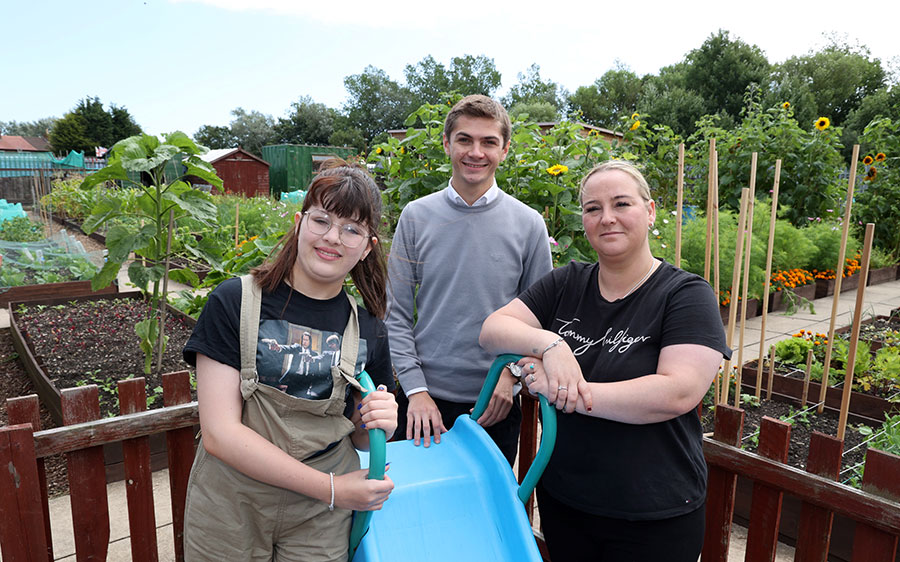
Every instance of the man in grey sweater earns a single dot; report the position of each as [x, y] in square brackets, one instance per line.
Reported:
[458, 255]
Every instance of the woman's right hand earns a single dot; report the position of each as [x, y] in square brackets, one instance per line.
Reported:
[356, 492]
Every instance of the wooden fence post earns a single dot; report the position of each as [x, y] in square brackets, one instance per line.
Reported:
[27, 409]
[22, 535]
[528, 445]
[87, 478]
[814, 529]
[138, 478]
[880, 478]
[765, 508]
[720, 488]
[180, 450]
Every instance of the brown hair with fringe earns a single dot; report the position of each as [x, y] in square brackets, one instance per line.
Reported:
[347, 191]
[479, 106]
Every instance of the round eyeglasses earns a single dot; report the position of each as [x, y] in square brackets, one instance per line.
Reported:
[351, 234]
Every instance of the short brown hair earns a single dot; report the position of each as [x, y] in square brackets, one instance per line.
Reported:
[479, 106]
[623, 166]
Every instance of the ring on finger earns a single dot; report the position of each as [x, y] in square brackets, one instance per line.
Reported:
[531, 377]
[562, 388]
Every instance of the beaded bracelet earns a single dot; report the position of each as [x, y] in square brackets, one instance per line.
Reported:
[552, 345]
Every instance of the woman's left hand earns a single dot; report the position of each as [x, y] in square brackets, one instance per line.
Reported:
[378, 410]
[539, 381]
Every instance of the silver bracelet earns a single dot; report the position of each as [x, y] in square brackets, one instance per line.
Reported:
[552, 345]
[331, 505]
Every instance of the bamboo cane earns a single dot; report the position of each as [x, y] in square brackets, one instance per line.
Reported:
[715, 241]
[751, 203]
[771, 372]
[165, 296]
[237, 213]
[709, 208]
[679, 204]
[838, 275]
[854, 332]
[767, 281]
[735, 291]
[809, 359]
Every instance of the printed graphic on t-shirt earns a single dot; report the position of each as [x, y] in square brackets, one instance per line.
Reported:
[298, 359]
[613, 341]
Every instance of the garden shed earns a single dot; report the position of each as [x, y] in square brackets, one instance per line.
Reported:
[294, 165]
[241, 172]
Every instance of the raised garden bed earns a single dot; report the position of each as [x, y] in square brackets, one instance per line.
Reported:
[825, 287]
[76, 225]
[876, 331]
[777, 300]
[752, 310]
[791, 388]
[43, 291]
[882, 275]
[69, 342]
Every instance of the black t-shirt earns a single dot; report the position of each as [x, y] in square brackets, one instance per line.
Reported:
[609, 468]
[299, 339]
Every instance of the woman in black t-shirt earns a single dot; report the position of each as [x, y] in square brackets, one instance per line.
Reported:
[625, 348]
[277, 470]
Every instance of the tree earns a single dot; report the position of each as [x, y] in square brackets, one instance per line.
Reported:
[307, 123]
[883, 103]
[721, 69]
[70, 133]
[252, 130]
[468, 74]
[538, 111]
[612, 96]
[531, 87]
[215, 137]
[123, 124]
[670, 102]
[39, 128]
[838, 77]
[376, 103]
[97, 121]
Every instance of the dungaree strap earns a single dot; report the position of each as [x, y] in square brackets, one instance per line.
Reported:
[251, 299]
[350, 346]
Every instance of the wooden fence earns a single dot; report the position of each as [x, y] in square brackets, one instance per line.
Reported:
[25, 523]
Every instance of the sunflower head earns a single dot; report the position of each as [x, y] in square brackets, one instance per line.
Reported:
[823, 123]
[635, 115]
[379, 150]
[870, 175]
[880, 157]
[786, 105]
[868, 160]
[635, 125]
[557, 169]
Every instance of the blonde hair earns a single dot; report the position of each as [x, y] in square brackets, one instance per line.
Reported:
[622, 166]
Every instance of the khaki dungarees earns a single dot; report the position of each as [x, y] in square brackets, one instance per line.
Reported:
[230, 516]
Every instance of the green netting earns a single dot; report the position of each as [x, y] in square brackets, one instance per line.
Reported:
[54, 260]
[17, 164]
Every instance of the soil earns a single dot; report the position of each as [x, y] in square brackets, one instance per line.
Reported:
[802, 425]
[879, 328]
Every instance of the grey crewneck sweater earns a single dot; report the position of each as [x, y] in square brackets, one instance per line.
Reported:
[452, 265]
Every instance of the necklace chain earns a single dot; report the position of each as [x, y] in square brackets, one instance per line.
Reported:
[641, 280]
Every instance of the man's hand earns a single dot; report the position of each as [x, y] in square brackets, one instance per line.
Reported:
[501, 400]
[423, 419]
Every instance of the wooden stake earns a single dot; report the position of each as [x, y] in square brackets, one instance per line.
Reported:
[767, 281]
[237, 213]
[735, 289]
[751, 200]
[165, 296]
[679, 204]
[715, 239]
[771, 372]
[854, 331]
[838, 276]
[710, 197]
[809, 360]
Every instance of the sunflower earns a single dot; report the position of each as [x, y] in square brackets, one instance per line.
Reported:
[823, 123]
[786, 105]
[635, 115]
[868, 160]
[635, 125]
[378, 150]
[880, 157]
[870, 175]
[557, 169]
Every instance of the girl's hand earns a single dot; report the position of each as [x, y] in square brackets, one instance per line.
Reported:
[356, 492]
[378, 410]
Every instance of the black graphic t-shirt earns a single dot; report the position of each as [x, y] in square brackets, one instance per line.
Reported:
[299, 339]
[609, 468]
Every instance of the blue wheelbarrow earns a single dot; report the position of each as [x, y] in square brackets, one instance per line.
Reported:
[457, 500]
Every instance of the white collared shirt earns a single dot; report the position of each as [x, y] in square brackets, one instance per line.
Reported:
[492, 193]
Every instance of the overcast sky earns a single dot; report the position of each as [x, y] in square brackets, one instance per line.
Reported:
[180, 64]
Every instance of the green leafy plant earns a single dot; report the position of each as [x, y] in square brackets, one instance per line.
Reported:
[149, 231]
[21, 229]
